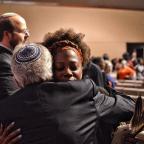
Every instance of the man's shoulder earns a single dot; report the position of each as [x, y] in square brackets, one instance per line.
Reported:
[68, 83]
[5, 55]
[79, 86]
[84, 86]
[84, 82]
[4, 50]
[77, 83]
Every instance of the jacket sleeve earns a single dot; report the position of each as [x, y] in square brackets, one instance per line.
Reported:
[7, 83]
[93, 72]
[114, 109]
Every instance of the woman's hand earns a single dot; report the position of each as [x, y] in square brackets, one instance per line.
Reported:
[7, 136]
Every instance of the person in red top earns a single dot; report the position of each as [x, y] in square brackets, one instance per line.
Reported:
[125, 72]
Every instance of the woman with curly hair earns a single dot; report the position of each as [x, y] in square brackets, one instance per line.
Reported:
[68, 38]
[71, 62]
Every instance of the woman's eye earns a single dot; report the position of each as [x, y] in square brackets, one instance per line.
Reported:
[73, 67]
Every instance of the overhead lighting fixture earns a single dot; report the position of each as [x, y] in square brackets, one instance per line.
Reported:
[29, 2]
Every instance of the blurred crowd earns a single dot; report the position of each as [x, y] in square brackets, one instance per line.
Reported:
[126, 67]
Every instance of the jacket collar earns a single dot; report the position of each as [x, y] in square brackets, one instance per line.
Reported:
[5, 49]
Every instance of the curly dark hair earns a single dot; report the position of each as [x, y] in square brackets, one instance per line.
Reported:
[73, 39]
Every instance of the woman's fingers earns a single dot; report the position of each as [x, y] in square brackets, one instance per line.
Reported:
[8, 128]
[13, 137]
[8, 135]
[15, 140]
[13, 134]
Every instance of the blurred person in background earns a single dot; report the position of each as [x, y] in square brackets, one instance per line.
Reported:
[111, 80]
[108, 61]
[13, 30]
[140, 69]
[125, 72]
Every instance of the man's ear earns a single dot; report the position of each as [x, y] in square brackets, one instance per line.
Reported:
[7, 34]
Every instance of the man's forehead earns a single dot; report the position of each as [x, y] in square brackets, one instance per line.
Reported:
[18, 21]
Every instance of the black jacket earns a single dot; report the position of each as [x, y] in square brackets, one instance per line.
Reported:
[63, 112]
[7, 84]
[93, 72]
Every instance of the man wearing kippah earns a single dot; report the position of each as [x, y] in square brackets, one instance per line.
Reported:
[57, 112]
[13, 30]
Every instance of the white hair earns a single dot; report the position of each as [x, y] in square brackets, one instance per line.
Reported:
[30, 72]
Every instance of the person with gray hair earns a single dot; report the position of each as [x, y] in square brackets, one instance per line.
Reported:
[31, 64]
[13, 31]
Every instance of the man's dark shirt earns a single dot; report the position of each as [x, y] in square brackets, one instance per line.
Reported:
[93, 72]
[7, 83]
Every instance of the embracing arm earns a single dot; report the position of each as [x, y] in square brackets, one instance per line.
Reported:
[114, 109]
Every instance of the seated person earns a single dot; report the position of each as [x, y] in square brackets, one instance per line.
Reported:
[111, 80]
[140, 69]
[125, 72]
